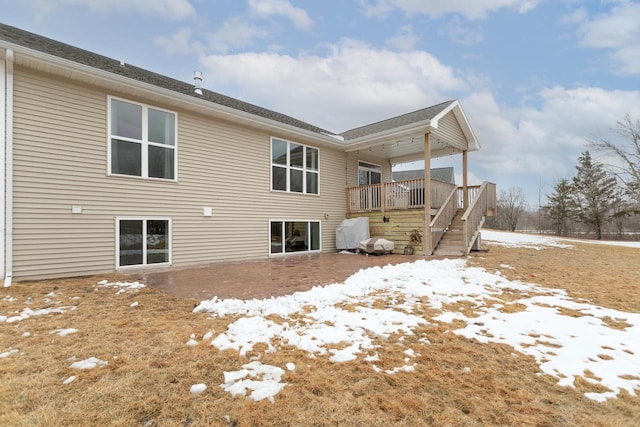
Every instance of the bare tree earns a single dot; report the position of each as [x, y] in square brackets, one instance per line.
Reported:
[511, 206]
[627, 153]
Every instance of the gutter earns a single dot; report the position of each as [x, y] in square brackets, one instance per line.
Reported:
[8, 170]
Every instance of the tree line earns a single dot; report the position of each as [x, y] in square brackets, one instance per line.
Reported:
[600, 198]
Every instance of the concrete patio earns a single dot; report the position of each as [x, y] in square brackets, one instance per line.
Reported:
[264, 278]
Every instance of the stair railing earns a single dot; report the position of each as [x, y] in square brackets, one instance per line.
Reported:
[473, 218]
[442, 219]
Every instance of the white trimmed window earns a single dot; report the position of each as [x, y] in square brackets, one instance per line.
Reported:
[142, 140]
[142, 242]
[294, 167]
[294, 236]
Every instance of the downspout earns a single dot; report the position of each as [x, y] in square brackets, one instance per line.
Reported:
[8, 172]
[3, 134]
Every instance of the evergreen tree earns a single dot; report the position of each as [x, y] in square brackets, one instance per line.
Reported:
[561, 206]
[595, 193]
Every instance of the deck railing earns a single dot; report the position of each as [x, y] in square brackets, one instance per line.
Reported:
[483, 203]
[396, 195]
[472, 191]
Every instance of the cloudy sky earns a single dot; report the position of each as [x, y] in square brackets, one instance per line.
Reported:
[536, 78]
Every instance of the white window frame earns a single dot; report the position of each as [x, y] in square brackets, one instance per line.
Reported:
[288, 168]
[284, 252]
[144, 239]
[144, 142]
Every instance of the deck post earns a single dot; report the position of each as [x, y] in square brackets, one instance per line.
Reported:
[426, 239]
[465, 186]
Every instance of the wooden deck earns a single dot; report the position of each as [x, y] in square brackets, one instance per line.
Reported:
[396, 212]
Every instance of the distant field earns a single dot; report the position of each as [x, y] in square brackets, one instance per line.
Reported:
[155, 348]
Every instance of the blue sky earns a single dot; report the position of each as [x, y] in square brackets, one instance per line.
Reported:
[536, 78]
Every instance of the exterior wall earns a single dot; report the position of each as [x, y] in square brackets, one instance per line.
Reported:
[60, 157]
[352, 167]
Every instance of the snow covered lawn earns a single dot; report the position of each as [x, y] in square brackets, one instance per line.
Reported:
[442, 342]
[567, 338]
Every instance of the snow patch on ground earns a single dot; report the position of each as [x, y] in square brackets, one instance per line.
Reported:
[198, 388]
[121, 286]
[350, 315]
[90, 363]
[27, 313]
[537, 241]
[64, 332]
[8, 353]
[263, 381]
[519, 240]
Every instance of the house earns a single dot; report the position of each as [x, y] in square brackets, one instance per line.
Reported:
[109, 167]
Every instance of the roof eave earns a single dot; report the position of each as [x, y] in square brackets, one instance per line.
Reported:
[222, 111]
[367, 141]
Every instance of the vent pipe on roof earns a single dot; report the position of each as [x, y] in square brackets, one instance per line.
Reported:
[197, 77]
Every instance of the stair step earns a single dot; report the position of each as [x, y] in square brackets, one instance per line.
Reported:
[447, 252]
[459, 243]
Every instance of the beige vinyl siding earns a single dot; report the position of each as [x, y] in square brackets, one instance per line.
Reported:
[352, 167]
[449, 128]
[60, 157]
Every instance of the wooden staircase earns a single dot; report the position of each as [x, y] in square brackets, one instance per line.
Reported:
[452, 242]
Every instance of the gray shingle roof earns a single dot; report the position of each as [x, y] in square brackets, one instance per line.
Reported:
[61, 50]
[441, 174]
[395, 122]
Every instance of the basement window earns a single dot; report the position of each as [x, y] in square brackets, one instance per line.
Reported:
[142, 242]
[294, 236]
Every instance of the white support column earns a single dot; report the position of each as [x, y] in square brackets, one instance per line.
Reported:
[465, 181]
[426, 239]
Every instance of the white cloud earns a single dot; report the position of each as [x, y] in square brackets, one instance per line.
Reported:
[173, 9]
[575, 17]
[618, 32]
[178, 43]
[352, 85]
[406, 39]
[545, 140]
[235, 33]
[267, 8]
[461, 32]
[471, 9]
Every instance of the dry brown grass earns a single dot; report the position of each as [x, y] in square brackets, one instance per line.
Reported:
[151, 369]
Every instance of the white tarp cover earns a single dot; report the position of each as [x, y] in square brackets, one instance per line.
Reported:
[351, 232]
[376, 245]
